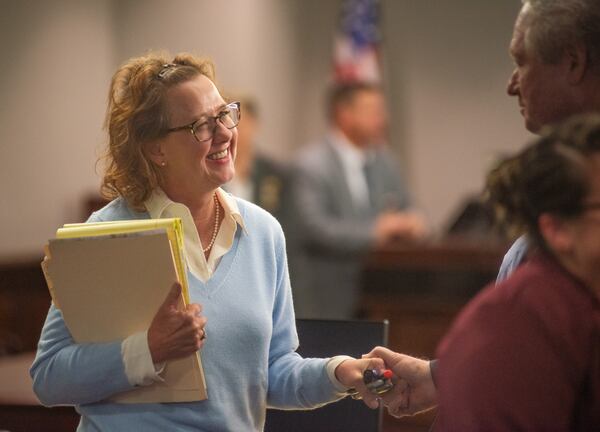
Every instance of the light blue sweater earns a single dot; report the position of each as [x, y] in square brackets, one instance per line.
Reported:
[249, 357]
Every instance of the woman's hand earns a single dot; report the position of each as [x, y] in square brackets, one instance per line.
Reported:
[350, 373]
[175, 333]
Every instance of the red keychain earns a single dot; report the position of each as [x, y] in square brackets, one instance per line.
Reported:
[378, 382]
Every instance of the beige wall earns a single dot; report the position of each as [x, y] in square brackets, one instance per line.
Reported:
[250, 41]
[455, 117]
[55, 65]
[445, 62]
[446, 65]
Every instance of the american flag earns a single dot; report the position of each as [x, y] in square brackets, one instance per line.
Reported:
[356, 44]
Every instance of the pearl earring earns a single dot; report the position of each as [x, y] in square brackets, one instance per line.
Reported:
[163, 164]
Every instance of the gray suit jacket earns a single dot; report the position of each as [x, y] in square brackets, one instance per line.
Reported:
[330, 235]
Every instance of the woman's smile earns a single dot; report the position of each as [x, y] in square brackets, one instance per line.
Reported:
[222, 155]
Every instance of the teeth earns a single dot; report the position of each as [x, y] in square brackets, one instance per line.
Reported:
[219, 155]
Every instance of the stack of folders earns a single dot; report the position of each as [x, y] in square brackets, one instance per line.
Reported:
[110, 278]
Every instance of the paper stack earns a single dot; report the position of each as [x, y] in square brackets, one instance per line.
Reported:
[109, 279]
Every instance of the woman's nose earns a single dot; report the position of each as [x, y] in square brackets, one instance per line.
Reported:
[221, 133]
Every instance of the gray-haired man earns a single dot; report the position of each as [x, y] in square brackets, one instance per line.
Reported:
[556, 50]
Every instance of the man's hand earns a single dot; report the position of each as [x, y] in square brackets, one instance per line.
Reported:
[421, 393]
[350, 374]
[175, 333]
[394, 226]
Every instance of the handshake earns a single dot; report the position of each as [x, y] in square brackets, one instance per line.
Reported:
[404, 384]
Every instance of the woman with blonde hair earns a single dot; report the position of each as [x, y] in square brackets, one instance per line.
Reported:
[172, 144]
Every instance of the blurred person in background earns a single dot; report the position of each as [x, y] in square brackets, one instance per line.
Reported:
[258, 178]
[348, 198]
[525, 354]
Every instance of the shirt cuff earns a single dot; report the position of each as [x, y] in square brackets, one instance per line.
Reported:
[139, 369]
[333, 363]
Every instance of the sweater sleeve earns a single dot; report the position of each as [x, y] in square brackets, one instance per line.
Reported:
[65, 372]
[294, 382]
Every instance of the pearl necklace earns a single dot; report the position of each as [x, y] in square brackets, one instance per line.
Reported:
[216, 228]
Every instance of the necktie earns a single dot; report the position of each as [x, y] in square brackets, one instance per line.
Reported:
[368, 171]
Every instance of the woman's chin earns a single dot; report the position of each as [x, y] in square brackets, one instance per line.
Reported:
[224, 177]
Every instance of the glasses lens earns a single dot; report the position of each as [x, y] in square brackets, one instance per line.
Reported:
[230, 117]
[204, 129]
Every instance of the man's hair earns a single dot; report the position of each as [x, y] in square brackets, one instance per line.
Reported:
[343, 95]
[557, 24]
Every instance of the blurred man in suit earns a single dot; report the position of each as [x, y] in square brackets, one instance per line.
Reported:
[348, 198]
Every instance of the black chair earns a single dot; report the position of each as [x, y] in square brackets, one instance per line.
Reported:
[326, 338]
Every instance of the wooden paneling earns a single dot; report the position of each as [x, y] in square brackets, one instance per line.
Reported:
[24, 302]
[20, 410]
[22, 418]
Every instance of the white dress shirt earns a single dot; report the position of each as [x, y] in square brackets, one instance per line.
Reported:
[353, 161]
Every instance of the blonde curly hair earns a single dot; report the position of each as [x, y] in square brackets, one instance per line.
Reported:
[136, 114]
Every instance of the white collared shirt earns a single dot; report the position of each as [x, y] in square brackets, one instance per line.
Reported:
[159, 205]
[353, 161]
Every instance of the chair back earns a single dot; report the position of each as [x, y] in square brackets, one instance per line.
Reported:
[327, 338]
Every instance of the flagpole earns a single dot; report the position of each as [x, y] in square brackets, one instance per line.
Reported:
[398, 145]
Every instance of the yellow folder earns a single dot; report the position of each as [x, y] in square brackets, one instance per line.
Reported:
[109, 279]
[173, 227]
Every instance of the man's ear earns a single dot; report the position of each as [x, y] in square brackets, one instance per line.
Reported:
[578, 62]
[153, 150]
[556, 232]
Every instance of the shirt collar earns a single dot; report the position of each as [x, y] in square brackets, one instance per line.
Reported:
[159, 202]
[348, 152]
[231, 208]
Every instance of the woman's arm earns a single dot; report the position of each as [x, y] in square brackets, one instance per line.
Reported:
[295, 382]
[68, 373]
[64, 372]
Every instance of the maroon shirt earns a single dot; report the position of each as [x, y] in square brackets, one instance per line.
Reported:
[523, 356]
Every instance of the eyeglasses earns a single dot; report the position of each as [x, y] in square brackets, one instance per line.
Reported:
[204, 129]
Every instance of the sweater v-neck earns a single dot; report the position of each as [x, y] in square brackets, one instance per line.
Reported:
[219, 276]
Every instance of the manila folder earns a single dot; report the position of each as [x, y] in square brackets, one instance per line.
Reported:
[110, 287]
